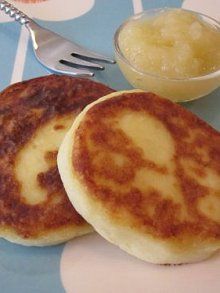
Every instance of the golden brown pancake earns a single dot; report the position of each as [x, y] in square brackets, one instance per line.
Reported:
[145, 173]
[34, 117]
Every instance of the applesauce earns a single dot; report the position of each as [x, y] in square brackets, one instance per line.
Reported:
[172, 52]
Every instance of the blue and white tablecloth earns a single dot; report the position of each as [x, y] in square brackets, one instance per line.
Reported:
[90, 264]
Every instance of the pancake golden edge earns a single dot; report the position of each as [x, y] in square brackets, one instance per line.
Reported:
[142, 245]
[48, 239]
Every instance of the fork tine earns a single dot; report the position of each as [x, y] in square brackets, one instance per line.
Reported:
[79, 51]
[76, 61]
[50, 48]
[64, 69]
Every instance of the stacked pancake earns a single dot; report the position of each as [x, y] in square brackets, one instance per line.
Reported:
[145, 173]
[142, 171]
[34, 117]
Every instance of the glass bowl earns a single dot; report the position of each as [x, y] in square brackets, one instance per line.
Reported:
[175, 89]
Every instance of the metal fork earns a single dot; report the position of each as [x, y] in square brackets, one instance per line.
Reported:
[55, 52]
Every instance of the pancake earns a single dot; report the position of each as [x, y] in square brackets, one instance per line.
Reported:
[145, 173]
[34, 117]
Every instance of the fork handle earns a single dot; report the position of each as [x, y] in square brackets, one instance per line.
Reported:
[14, 13]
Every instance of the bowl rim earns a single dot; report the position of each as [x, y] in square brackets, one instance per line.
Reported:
[144, 12]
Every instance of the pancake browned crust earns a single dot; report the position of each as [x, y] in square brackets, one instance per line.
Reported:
[146, 174]
[34, 117]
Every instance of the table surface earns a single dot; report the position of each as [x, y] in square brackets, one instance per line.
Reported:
[90, 264]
